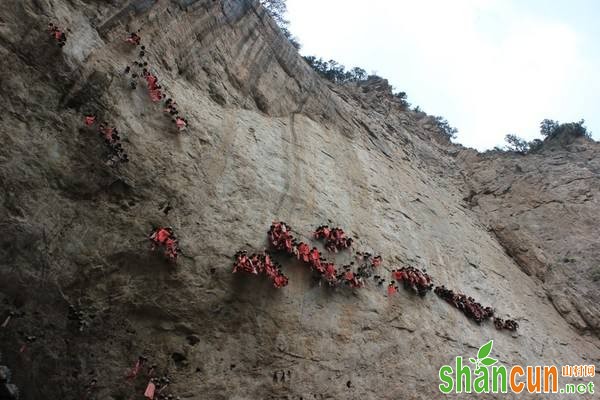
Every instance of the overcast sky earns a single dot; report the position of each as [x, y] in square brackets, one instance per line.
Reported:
[491, 67]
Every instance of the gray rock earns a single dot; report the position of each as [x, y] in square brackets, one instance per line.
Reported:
[317, 152]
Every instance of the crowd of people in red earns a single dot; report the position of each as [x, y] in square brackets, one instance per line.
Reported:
[58, 35]
[473, 309]
[165, 239]
[259, 263]
[281, 238]
[413, 278]
[466, 304]
[140, 69]
[335, 238]
[111, 138]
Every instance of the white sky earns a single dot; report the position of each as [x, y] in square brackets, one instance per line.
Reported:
[491, 67]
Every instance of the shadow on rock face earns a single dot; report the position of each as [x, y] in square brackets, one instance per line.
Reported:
[144, 262]
[21, 250]
[87, 93]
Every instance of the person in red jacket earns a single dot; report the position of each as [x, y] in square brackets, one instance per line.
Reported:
[90, 120]
[376, 261]
[303, 252]
[181, 123]
[57, 34]
[330, 272]
[164, 237]
[134, 39]
[392, 288]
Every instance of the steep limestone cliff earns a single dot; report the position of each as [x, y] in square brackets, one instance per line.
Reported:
[543, 208]
[268, 139]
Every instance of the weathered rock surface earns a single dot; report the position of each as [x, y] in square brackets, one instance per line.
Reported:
[544, 209]
[268, 139]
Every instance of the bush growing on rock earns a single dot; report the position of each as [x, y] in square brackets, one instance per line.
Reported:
[550, 128]
[277, 10]
[516, 144]
[444, 128]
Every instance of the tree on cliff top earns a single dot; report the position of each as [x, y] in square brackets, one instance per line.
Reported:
[516, 144]
[277, 10]
[550, 128]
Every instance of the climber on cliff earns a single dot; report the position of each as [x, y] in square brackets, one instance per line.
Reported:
[392, 288]
[57, 34]
[280, 280]
[498, 323]
[164, 237]
[170, 106]
[181, 123]
[151, 79]
[330, 272]
[315, 260]
[133, 373]
[376, 261]
[134, 39]
[155, 94]
[159, 236]
[90, 120]
[107, 133]
[303, 252]
[511, 325]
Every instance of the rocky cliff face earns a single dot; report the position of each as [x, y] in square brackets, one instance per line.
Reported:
[267, 139]
[543, 208]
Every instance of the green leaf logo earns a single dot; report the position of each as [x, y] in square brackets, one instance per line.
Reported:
[482, 356]
[489, 361]
[485, 350]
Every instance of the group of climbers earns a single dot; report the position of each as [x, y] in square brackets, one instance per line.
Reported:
[466, 304]
[367, 265]
[413, 278]
[58, 35]
[258, 264]
[508, 324]
[171, 109]
[140, 69]
[155, 388]
[111, 138]
[281, 238]
[335, 238]
[165, 238]
[160, 237]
